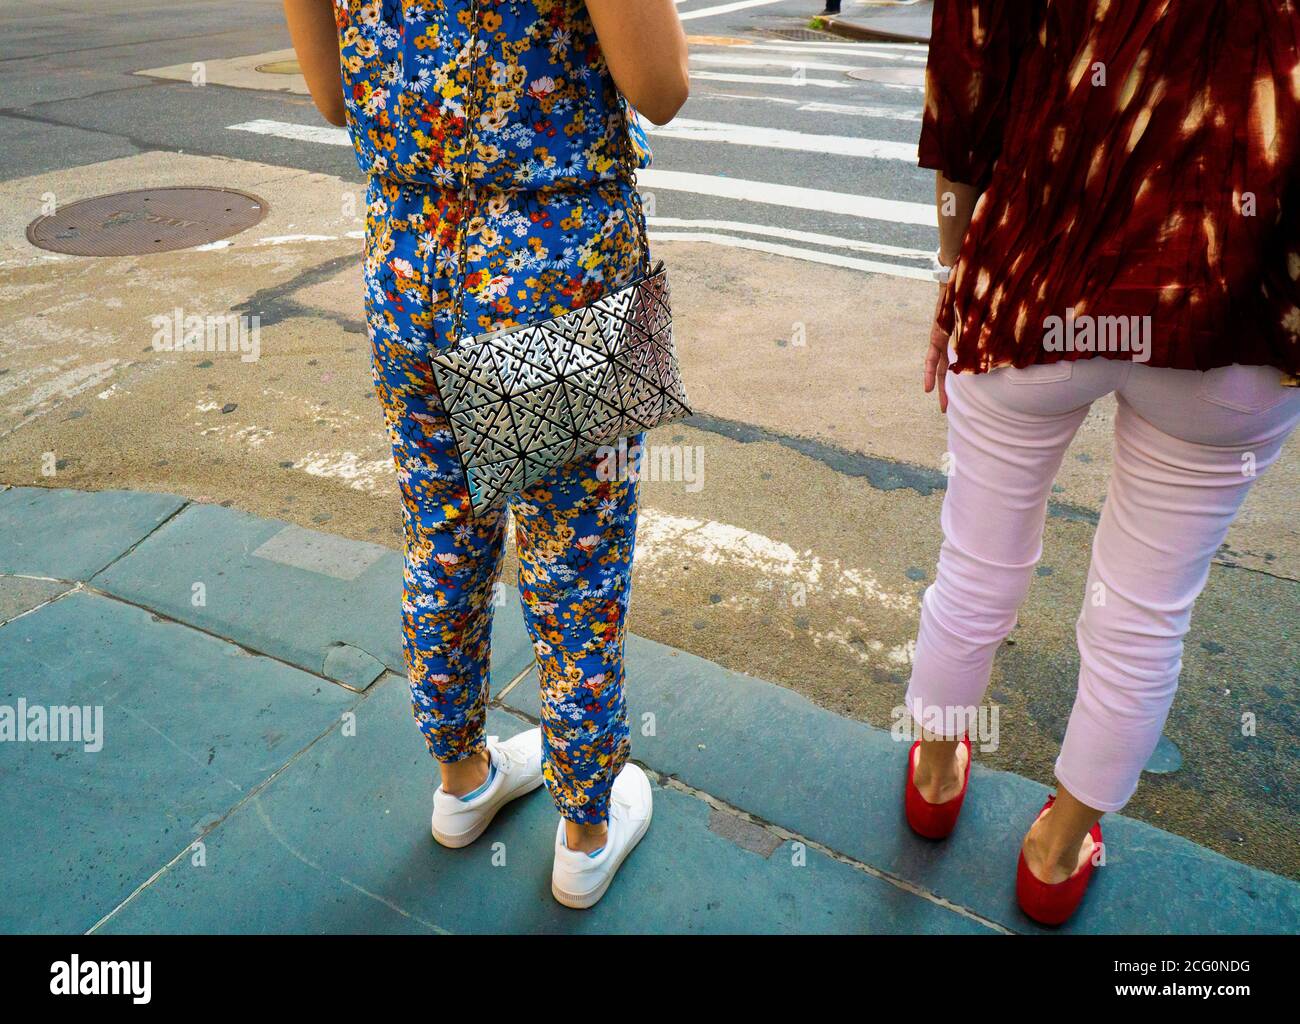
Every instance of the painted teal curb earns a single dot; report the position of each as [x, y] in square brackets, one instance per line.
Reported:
[340, 842]
[838, 781]
[321, 606]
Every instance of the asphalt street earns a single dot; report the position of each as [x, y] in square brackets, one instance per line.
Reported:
[798, 230]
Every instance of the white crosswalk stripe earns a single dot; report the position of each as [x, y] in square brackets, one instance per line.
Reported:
[768, 61]
[779, 138]
[736, 5]
[905, 52]
[793, 252]
[679, 128]
[904, 56]
[818, 107]
[831, 241]
[300, 132]
[788, 80]
[762, 199]
[794, 196]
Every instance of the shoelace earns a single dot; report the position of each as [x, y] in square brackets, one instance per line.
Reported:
[501, 757]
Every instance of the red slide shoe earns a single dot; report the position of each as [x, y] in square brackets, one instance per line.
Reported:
[934, 821]
[1054, 904]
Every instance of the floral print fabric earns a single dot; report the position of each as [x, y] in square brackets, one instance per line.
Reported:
[543, 111]
[550, 221]
[1137, 159]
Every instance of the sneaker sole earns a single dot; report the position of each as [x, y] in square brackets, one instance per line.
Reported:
[465, 838]
[589, 900]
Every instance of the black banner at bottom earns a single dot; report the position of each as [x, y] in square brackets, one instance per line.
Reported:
[207, 974]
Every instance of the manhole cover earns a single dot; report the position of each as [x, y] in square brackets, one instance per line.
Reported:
[890, 76]
[801, 35]
[149, 220]
[280, 67]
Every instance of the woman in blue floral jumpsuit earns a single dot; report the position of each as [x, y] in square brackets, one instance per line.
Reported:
[501, 160]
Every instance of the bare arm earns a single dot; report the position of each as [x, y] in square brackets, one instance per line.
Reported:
[955, 203]
[316, 41]
[645, 48]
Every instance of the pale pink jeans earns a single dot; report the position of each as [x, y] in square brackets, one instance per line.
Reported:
[1188, 446]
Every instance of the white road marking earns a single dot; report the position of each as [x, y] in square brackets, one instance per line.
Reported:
[853, 110]
[299, 132]
[358, 472]
[730, 60]
[726, 76]
[780, 138]
[821, 107]
[663, 537]
[769, 193]
[681, 128]
[793, 252]
[879, 47]
[283, 239]
[902, 86]
[766, 566]
[46, 395]
[869, 207]
[876, 52]
[789, 234]
[737, 5]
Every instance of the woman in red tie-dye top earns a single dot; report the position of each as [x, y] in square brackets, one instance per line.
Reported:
[1134, 159]
[1118, 187]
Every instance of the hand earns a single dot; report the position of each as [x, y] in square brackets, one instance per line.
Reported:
[936, 358]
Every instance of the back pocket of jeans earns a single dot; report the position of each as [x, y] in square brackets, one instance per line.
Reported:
[1042, 373]
[1248, 389]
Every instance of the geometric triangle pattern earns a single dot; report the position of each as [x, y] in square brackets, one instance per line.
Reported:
[524, 401]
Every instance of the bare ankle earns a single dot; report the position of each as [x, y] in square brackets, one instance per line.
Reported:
[1052, 858]
[465, 776]
[939, 772]
[937, 757]
[585, 838]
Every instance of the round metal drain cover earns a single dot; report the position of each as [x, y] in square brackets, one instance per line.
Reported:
[149, 220]
[280, 67]
[892, 76]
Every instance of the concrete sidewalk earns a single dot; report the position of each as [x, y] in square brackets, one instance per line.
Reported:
[259, 771]
[868, 21]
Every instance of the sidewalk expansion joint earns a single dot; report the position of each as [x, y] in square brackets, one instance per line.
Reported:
[212, 826]
[516, 680]
[186, 503]
[786, 835]
[252, 652]
[74, 586]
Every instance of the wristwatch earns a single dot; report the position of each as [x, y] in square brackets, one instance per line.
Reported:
[941, 273]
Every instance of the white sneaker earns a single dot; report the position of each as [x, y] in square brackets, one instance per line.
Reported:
[518, 762]
[579, 880]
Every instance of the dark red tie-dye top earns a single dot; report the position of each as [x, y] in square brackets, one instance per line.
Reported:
[1137, 158]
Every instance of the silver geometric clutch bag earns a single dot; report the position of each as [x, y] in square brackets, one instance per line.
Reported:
[526, 400]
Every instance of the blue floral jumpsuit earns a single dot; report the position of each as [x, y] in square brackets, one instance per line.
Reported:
[501, 160]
